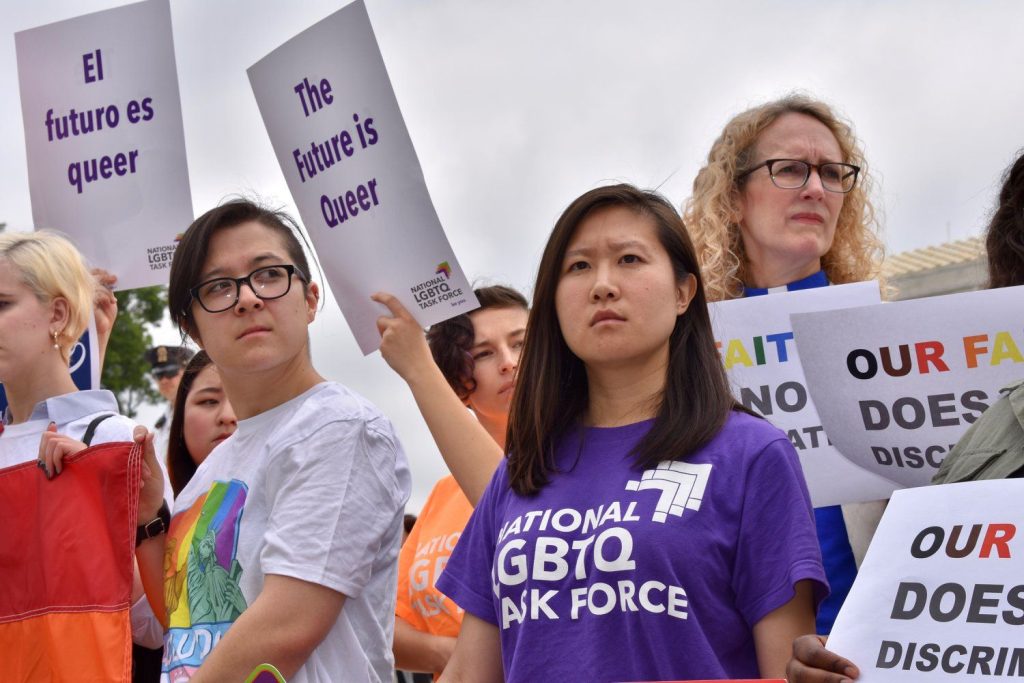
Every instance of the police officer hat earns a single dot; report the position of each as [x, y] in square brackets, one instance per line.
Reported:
[167, 361]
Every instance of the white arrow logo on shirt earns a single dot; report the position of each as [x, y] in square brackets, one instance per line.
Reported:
[681, 484]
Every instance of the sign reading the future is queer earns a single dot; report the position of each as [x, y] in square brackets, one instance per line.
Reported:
[342, 144]
[103, 132]
[940, 595]
[756, 340]
[897, 385]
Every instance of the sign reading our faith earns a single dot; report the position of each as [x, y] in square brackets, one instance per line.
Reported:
[940, 595]
[898, 385]
[756, 340]
[342, 144]
[103, 132]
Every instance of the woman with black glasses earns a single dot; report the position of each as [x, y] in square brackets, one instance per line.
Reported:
[283, 545]
[783, 204]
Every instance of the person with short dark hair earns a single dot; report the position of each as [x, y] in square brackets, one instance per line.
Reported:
[283, 545]
[477, 354]
[643, 526]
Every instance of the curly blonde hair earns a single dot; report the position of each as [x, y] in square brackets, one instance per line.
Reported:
[710, 213]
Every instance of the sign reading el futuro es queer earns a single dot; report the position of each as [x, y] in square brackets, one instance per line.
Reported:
[104, 137]
[342, 144]
[940, 595]
[897, 385]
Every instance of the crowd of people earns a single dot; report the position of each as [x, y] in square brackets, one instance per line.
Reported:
[272, 503]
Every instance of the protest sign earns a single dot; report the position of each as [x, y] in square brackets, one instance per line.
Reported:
[897, 385]
[104, 138]
[940, 594]
[755, 339]
[342, 144]
[84, 363]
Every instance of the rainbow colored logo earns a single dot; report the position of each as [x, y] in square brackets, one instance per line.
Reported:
[177, 238]
[444, 268]
[202, 575]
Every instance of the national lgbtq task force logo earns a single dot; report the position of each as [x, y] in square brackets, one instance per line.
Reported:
[681, 484]
[435, 290]
[201, 589]
[160, 257]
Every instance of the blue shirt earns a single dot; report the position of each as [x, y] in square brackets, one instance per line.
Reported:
[836, 552]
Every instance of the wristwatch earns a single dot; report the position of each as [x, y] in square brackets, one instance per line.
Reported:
[154, 527]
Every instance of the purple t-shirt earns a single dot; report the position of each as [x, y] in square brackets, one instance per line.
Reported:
[615, 574]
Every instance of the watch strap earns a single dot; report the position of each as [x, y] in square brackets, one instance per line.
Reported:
[154, 527]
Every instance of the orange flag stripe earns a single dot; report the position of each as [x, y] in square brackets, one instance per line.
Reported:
[67, 552]
[75, 646]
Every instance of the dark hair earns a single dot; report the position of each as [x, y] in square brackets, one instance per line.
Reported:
[180, 465]
[408, 521]
[451, 340]
[551, 392]
[1005, 236]
[192, 250]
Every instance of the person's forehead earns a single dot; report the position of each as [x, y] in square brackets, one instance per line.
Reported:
[614, 227]
[794, 133]
[243, 248]
[492, 323]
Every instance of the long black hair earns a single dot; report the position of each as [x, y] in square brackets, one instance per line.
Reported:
[180, 464]
[551, 394]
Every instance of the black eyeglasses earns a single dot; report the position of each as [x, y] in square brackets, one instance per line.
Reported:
[268, 282]
[790, 174]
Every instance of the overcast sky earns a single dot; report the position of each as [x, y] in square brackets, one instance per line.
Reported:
[515, 108]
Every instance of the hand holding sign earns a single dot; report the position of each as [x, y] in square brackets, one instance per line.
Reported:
[940, 595]
[105, 142]
[342, 144]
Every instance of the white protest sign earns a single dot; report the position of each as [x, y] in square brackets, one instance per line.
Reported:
[342, 144]
[897, 385]
[103, 132]
[755, 339]
[940, 595]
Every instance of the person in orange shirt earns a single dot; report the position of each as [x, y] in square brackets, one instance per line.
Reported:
[475, 357]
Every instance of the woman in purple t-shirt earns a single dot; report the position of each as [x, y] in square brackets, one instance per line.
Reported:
[643, 527]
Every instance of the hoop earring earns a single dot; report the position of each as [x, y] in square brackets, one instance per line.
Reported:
[55, 344]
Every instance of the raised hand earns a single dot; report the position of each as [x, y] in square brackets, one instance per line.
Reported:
[402, 342]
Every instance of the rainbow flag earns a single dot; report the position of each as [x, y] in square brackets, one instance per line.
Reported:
[67, 550]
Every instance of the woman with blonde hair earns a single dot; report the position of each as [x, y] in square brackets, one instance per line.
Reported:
[782, 204]
[731, 250]
[46, 297]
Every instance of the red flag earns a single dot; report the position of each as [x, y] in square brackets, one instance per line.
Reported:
[67, 551]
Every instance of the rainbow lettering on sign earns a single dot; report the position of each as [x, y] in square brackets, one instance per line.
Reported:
[1003, 348]
[769, 348]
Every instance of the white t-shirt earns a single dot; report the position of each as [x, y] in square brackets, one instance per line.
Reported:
[314, 489]
[73, 413]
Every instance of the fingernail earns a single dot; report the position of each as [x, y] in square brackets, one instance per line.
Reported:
[52, 423]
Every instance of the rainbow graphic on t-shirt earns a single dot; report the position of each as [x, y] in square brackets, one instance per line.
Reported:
[201, 577]
[443, 269]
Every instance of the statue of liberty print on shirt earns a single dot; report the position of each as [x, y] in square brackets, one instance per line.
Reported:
[201, 580]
